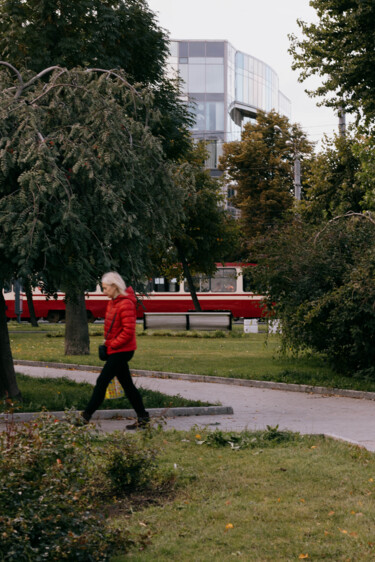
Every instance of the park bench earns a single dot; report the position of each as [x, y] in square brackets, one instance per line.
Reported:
[187, 320]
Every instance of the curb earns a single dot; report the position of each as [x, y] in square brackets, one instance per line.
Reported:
[359, 394]
[125, 414]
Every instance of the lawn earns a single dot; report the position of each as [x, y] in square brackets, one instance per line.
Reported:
[238, 355]
[297, 498]
[58, 394]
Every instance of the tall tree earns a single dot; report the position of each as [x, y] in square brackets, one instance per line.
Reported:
[121, 34]
[261, 168]
[205, 235]
[340, 49]
[84, 184]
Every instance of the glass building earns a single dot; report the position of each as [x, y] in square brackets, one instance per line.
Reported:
[225, 89]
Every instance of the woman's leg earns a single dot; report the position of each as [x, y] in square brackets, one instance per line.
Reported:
[103, 380]
[122, 372]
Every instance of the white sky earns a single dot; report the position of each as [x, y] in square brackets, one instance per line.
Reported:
[259, 28]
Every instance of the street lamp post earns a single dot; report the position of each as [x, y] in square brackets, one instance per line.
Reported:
[296, 164]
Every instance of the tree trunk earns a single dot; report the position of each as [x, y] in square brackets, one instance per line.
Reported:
[8, 382]
[30, 304]
[189, 279]
[77, 340]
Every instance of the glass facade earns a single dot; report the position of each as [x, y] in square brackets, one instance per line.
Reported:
[225, 88]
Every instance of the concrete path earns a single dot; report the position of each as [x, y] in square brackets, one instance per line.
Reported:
[349, 419]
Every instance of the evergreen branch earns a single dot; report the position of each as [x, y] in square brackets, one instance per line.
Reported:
[117, 76]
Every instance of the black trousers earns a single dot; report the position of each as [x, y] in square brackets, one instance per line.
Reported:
[116, 366]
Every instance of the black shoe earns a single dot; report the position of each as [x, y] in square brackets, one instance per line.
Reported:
[83, 419]
[141, 423]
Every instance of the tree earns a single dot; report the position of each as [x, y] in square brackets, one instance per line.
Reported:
[108, 34]
[119, 34]
[205, 235]
[333, 186]
[261, 168]
[84, 184]
[319, 280]
[340, 50]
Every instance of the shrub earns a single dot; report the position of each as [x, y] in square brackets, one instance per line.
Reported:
[129, 465]
[320, 282]
[46, 514]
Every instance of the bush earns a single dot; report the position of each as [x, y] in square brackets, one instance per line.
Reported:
[320, 283]
[44, 498]
[129, 465]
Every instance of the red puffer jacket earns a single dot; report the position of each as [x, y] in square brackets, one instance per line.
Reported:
[122, 334]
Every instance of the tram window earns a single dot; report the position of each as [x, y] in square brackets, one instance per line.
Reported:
[163, 285]
[224, 281]
[201, 284]
[173, 286]
[7, 287]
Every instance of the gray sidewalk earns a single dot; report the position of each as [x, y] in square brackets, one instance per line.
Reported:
[349, 419]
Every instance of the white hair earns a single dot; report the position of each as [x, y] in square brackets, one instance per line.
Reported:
[113, 278]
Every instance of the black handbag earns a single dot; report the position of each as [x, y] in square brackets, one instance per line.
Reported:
[103, 355]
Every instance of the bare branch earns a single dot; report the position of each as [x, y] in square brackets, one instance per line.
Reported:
[42, 73]
[366, 215]
[21, 86]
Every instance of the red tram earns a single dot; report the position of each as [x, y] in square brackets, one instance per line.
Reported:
[226, 290]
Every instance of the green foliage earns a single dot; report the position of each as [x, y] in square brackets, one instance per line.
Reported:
[205, 234]
[84, 184]
[129, 465]
[45, 510]
[247, 439]
[261, 165]
[112, 34]
[365, 152]
[320, 283]
[339, 48]
[56, 395]
[334, 185]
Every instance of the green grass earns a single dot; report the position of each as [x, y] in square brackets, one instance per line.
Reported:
[305, 496]
[238, 355]
[62, 393]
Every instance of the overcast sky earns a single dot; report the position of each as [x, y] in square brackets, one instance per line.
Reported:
[259, 28]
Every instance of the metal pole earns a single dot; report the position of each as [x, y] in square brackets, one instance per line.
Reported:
[342, 123]
[18, 303]
[297, 177]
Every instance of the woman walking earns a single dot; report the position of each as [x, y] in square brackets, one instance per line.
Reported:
[120, 341]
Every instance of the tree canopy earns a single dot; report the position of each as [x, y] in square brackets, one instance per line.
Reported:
[84, 183]
[333, 185]
[108, 34]
[340, 49]
[319, 281]
[261, 169]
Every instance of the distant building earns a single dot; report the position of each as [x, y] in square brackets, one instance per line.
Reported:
[226, 89]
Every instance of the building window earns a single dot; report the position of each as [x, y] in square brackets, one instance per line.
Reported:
[214, 78]
[214, 49]
[197, 49]
[197, 78]
[215, 116]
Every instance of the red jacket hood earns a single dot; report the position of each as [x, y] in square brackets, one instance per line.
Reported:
[129, 294]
